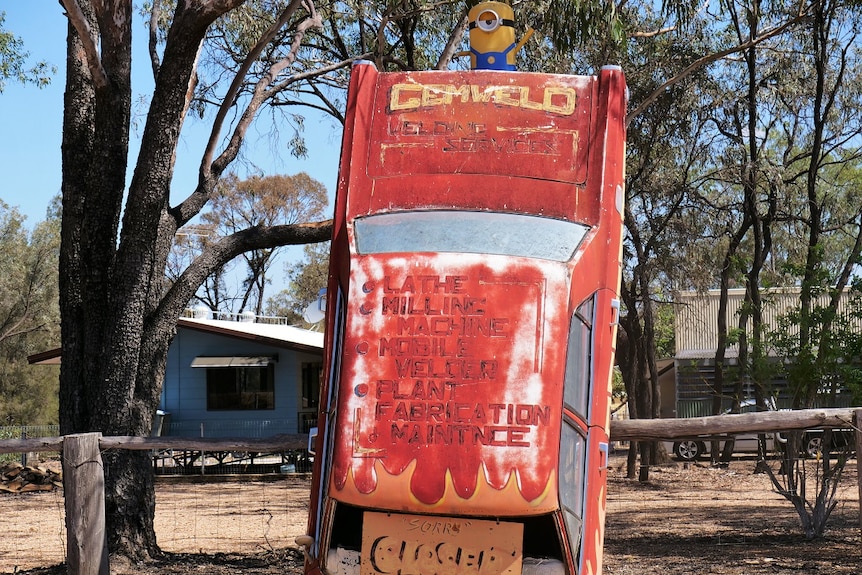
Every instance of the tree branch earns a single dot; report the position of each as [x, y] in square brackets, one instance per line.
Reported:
[320, 71]
[454, 39]
[153, 39]
[210, 168]
[261, 92]
[709, 59]
[239, 79]
[653, 33]
[217, 254]
[88, 41]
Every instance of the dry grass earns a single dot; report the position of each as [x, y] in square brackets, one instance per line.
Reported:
[686, 520]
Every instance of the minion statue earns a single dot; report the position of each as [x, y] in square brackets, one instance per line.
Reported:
[492, 36]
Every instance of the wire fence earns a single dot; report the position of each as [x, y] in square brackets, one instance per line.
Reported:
[233, 513]
[238, 515]
[26, 432]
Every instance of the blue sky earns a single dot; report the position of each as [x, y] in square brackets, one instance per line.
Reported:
[31, 122]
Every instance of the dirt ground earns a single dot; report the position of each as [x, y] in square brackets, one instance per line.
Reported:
[687, 519]
[699, 519]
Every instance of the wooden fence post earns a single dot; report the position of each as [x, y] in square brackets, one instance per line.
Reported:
[84, 493]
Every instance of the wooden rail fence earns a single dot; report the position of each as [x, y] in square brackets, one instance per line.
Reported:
[83, 478]
[84, 481]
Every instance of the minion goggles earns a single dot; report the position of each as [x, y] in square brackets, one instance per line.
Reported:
[488, 20]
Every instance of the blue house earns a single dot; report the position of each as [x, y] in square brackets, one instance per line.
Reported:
[236, 379]
[241, 379]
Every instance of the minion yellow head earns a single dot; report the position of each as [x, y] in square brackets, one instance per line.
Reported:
[492, 36]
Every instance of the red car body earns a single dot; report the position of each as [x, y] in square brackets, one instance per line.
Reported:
[470, 325]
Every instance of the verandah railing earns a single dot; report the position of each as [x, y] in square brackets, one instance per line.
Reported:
[185, 461]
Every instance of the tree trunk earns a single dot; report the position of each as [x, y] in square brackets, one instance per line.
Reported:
[628, 365]
[107, 285]
[118, 316]
[130, 485]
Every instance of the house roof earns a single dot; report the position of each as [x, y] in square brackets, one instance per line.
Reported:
[284, 336]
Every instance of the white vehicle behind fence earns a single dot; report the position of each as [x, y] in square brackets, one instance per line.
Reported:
[746, 443]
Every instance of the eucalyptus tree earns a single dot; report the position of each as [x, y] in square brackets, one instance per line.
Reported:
[14, 64]
[780, 188]
[822, 164]
[825, 131]
[28, 317]
[262, 202]
[741, 128]
[771, 163]
[787, 132]
[784, 169]
[118, 312]
[664, 150]
[721, 187]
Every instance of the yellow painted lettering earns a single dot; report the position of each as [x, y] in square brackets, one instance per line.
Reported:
[526, 102]
[463, 92]
[502, 95]
[555, 99]
[408, 103]
[437, 95]
[481, 95]
[569, 97]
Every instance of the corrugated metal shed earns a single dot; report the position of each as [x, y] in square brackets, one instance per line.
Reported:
[696, 322]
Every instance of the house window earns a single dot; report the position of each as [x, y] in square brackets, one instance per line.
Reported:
[311, 384]
[239, 383]
[240, 388]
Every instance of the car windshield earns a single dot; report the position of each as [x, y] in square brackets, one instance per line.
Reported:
[469, 232]
[750, 406]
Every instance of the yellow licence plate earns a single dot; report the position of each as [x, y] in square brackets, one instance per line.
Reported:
[394, 544]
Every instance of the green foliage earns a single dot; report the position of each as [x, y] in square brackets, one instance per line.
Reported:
[578, 24]
[618, 386]
[265, 201]
[8, 433]
[28, 393]
[238, 205]
[13, 62]
[306, 278]
[665, 337]
[830, 363]
[574, 23]
[29, 318]
[734, 334]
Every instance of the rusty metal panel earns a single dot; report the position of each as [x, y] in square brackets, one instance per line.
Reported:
[444, 118]
[437, 344]
[478, 140]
